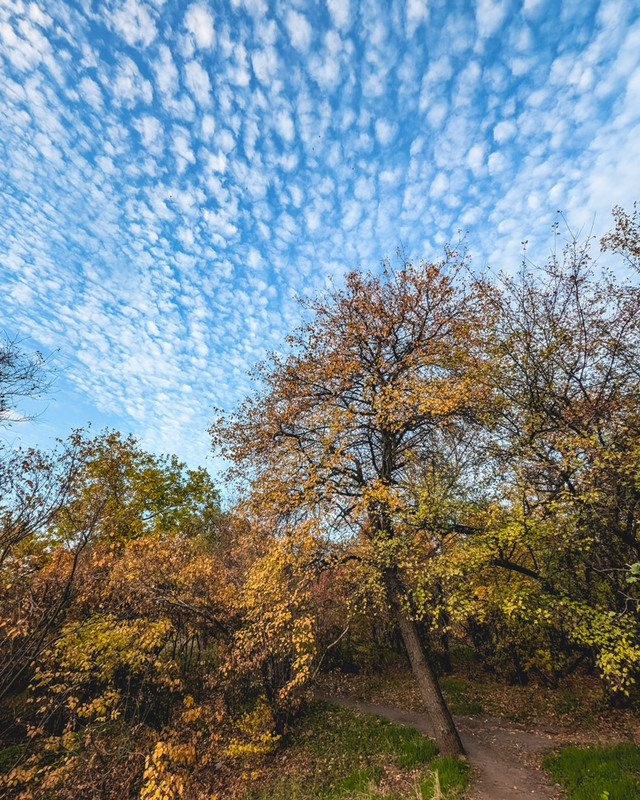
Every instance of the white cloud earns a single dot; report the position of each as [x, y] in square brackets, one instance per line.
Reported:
[313, 219]
[217, 162]
[351, 215]
[199, 22]
[374, 84]
[475, 158]
[256, 8]
[37, 15]
[265, 65]
[330, 67]
[226, 140]
[417, 13]
[490, 14]
[151, 132]
[439, 185]
[437, 114]
[238, 70]
[504, 131]
[284, 125]
[299, 30]
[181, 147]
[134, 22]
[364, 188]
[26, 51]
[497, 163]
[208, 126]
[340, 13]
[166, 71]
[198, 83]
[385, 131]
[91, 93]
[128, 86]
[530, 7]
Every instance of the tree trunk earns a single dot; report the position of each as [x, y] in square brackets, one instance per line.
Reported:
[444, 729]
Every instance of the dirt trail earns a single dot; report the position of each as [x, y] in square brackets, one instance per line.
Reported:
[503, 755]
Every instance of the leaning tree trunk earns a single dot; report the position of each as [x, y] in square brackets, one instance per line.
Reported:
[444, 728]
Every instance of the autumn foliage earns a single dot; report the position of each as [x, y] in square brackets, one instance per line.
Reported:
[435, 459]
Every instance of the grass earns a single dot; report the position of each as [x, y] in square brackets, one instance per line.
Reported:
[341, 754]
[597, 773]
[9, 757]
[453, 779]
[460, 697]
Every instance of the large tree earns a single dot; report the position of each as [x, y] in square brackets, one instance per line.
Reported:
[346, 419]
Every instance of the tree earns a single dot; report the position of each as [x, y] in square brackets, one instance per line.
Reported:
[347, 417]
[139, 492]
[562, 530]
[57, 509]
[21, 375]
[624, 239]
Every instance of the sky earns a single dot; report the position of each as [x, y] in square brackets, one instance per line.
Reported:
[174, 174]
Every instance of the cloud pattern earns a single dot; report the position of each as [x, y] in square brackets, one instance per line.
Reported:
[174, 173]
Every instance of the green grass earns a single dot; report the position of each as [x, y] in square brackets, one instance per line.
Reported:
[342, 754]
[460, 698]
[359, 781]
[597, 773]
[454, 779]
[9, 757]
[454, 775]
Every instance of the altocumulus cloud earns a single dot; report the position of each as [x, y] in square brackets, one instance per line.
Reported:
[175, 173]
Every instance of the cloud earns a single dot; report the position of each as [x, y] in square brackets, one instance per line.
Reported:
[284, 125]
[26, 47]
[198, 20]
[134, 22]
[504, 131]
[265, 65]
[166, 71]
[8, 415]
[439, 185]
[198, 83]
[340, 13]
[497, 163]
[490, 14]
[256, 8]
[475, 158]
[385, 131]
[151, 133]
[530, 7]
[299, 30]
[417, 13]
[91, 92]
[128, 86]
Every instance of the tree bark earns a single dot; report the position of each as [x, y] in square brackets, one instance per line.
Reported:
[444, 729]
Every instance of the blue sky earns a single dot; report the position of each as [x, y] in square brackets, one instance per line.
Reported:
[174, 173]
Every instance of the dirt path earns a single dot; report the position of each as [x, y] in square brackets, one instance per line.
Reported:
[503, 755]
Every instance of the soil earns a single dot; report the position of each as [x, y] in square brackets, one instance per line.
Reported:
[504, 756]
